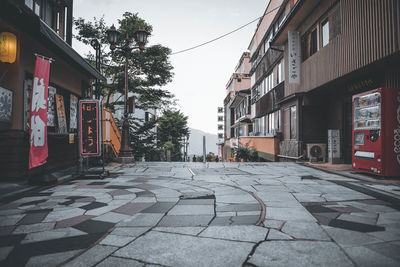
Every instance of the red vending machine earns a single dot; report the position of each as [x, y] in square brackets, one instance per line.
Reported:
[376, 132]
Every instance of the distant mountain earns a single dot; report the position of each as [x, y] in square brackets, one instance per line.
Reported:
[196, 142]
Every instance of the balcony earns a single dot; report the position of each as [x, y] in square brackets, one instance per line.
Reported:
[269, 102]
[265, 64]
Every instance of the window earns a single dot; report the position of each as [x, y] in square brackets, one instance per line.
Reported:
[37, 8]
[220, 127]
[220, 110]
[29, 3]
[220, 136]
[262, 126]
[220, 118]
[280, 76]
[325, 32]
[267, 42]
[313, 42]
[269, 82]
[293, 123]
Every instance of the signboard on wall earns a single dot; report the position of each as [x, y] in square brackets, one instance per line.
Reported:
[73, 112]
[51, 107]
[333, 145]
[6, 101]
[61, 117]
[90, 138]
[294, 56]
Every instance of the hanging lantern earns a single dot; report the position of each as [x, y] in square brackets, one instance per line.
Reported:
[8, 47]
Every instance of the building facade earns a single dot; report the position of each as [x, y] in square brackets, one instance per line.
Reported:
[44, 28]
[345, 47]
[267, 84]
[239, 81]
[308, 59]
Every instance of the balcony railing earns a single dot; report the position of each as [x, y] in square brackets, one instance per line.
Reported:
[269, 102]
[266, 63]
[291, 149]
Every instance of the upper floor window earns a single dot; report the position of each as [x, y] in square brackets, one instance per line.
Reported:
[29, 3]
[313, 42]
[37, 8]
[322, 32]
[267, 42]
[269, 82]
[280, 71]
[325, 32]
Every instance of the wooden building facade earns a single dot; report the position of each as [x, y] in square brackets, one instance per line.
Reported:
[346, 47]
[45, 28]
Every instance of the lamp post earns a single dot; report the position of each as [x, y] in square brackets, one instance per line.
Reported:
[141, 40]
[96, 45]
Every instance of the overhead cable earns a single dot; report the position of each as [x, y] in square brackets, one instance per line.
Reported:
[224, 35]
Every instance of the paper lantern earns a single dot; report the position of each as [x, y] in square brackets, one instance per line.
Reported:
[8, 47]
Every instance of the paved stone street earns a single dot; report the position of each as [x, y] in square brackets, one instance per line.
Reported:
[195, 214]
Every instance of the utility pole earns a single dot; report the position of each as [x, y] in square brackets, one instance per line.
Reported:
[204, 148]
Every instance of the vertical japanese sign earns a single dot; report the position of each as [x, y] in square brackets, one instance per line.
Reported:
[90, 128]
[61, 117]
[294, 56]
[38, 151]
[73, 112]
[51, 107]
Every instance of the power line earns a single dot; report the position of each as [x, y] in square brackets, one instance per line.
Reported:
[224, 35]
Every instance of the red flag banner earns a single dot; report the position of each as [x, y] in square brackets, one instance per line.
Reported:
[38, 151]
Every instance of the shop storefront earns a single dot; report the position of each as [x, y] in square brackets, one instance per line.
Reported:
[70, 79]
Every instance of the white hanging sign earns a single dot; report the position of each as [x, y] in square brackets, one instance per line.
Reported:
[294, 56]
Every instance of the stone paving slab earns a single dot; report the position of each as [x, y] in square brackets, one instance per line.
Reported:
[182, 250]
[249, 233]
[119, 262]
[299, 253]
[160, 209]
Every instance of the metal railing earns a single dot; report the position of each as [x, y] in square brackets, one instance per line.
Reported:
[291, 148]
[111, 133]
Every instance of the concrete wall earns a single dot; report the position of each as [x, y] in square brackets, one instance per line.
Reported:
[268, 146]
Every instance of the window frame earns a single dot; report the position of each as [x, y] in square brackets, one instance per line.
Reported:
[293, 122]
[323, 23]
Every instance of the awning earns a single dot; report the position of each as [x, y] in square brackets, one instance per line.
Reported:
[25, 20]
[53, 37]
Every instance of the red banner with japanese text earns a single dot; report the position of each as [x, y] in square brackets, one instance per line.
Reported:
[38, 151]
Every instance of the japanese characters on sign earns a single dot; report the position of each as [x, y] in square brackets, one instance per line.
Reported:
[51, 107]
[334, 144]
[294, 57]
[73, 112]
[61, 118]
[90, 127]
[38, 151]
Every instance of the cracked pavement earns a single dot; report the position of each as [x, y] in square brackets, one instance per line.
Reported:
[214, 214]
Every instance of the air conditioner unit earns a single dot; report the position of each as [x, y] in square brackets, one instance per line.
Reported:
[316, 152]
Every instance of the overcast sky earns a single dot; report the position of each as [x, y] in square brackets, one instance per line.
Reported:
[201, 74]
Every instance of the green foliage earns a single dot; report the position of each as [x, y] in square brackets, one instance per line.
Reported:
[148, 70]
[246, 153]
[171, 130]
[210, 157]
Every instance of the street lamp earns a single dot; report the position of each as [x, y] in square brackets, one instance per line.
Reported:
[140, 40]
